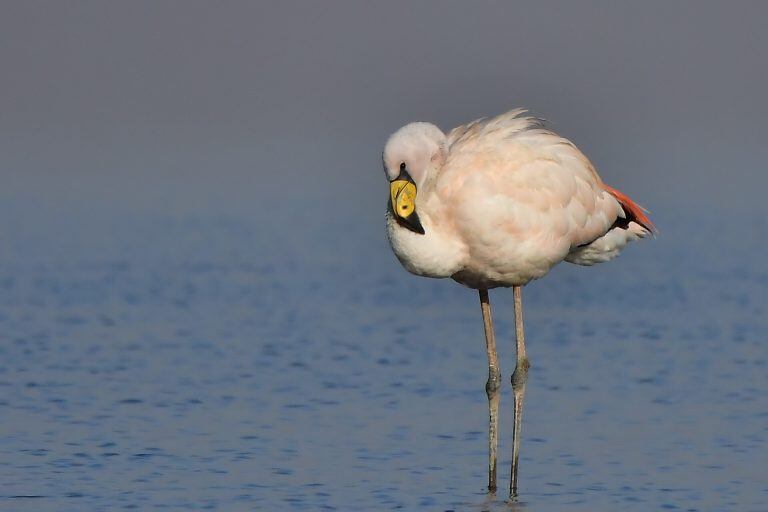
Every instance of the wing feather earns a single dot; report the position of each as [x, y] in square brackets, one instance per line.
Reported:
[537, 188]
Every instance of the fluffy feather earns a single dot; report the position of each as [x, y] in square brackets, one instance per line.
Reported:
[508, 201]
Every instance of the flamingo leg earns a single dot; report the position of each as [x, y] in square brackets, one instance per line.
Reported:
[492, 388]
[519, 378]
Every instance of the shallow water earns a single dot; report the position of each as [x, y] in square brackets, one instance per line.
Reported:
[214, 360]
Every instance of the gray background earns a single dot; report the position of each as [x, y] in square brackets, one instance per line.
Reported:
[189, 99]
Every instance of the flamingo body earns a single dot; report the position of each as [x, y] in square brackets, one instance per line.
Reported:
[502, 201]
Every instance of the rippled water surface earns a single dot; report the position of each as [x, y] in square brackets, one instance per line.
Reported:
[203, 360]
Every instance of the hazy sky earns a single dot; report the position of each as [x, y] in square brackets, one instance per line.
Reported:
[667, 98]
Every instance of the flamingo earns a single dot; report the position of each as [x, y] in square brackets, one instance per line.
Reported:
[496, 203]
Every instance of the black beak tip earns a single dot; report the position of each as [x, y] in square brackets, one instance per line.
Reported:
[413, 223]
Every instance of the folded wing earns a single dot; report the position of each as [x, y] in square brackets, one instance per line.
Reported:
[525, 198]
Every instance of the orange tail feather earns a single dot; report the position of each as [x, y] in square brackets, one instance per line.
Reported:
[634, 211]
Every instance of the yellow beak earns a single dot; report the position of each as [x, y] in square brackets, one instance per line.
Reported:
[402, 192]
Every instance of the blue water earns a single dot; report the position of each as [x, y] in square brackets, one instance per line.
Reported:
[207, 358]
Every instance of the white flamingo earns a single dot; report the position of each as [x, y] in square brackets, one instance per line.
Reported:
[497, 203]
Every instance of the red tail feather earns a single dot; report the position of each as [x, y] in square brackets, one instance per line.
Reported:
[634, 211]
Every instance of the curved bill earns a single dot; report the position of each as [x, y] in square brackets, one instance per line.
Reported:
[402, 191]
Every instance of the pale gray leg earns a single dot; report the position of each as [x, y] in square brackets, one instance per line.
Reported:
[492, 389]
[519, 378]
